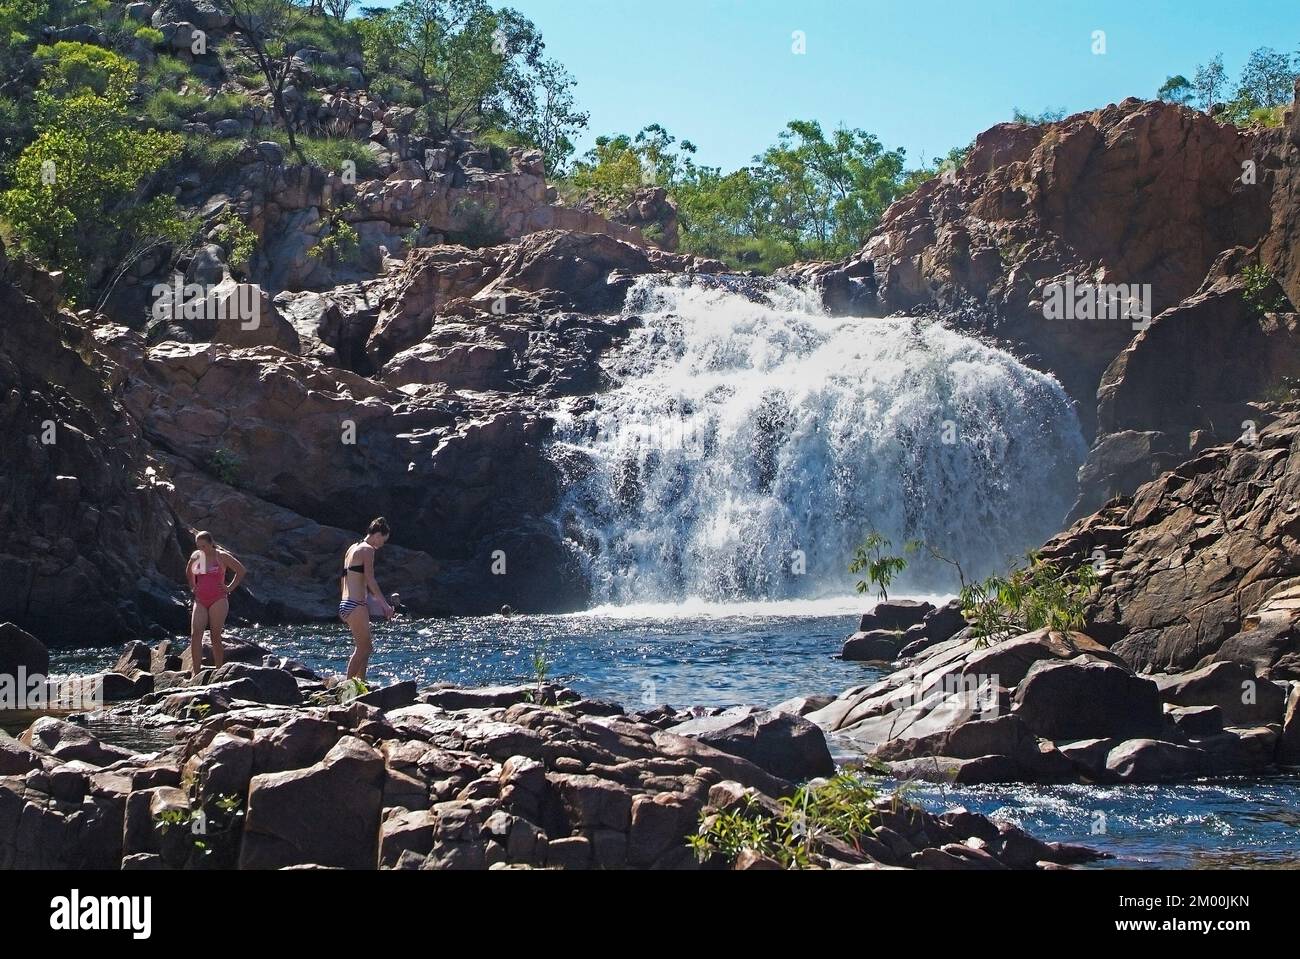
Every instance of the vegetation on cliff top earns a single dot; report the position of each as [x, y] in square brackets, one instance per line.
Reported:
[464, 67]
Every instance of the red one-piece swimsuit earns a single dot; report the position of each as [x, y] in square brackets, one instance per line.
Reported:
[209, 586]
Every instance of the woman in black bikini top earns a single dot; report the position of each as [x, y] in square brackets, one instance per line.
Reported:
[358, 581]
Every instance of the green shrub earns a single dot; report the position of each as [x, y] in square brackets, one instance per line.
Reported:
[210, 155]
[241, 241]
[1257, 293]
[880, 568]
[225, 466]
[340, 240]
[842, 808]
[149, 35]
[1037, 595]
[166, 72]
[327, 75]
[71, 203]
[328, 153]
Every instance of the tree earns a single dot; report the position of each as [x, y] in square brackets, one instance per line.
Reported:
[338, 9]
[75, 195]
[1267, 80]
[811, 195]
[266, 26]
[1177, 89]
[1209, 81]
[553, 118]
[1037, 119]
[824, 195]
[460, 53]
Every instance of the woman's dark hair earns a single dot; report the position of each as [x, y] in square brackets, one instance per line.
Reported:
[378, 525]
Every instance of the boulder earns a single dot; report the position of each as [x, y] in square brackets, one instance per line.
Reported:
[327, 814]
[877, 645]
[897, 614]
[787, 746]
[672, 745]
[1196, 720]
[299, 742]
[1243, 698]
[258, 684]
[16, 759]
[223, 767]
[391, 697]
[1082, 700]
[1288, 749]
[1089, 756]
[803, 705]
[19, 649]
[137, 657]
[1153, 761]
[67, 742]
[485, 697]
[233, 651]
[1008, 662]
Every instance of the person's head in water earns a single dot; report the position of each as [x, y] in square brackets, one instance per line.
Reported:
[507, 611]
[377, 532]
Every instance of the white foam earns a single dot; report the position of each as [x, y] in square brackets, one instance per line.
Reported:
[745, 427]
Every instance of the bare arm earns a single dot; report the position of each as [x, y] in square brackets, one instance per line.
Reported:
[371, 585]
[229, 562]
[189, 570]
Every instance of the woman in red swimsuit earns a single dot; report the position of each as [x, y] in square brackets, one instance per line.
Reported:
[206, 572]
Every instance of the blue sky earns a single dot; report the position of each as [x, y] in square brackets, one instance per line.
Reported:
[921, 76]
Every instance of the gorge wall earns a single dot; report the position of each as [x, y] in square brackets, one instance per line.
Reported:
[1139, 193]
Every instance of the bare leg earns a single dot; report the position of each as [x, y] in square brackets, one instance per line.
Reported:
[217, 618]
[198, 623]
[359, 622]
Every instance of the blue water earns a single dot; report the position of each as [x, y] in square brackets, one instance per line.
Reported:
[763, 655]
[1218, 824]
[637, 660]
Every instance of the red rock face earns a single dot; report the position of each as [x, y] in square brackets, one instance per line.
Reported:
[1203, 562]
[1139, 193]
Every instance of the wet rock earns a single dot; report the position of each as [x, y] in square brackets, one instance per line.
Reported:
[877, 645]
[67, 742]
[1153, 761]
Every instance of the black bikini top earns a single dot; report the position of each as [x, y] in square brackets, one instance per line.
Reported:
[353, 569]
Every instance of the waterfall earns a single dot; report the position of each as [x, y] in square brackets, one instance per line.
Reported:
[751, 442]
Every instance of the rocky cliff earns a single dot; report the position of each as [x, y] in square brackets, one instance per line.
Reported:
[1136, 195]
[284, 456]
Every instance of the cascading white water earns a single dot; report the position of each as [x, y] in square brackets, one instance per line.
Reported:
[751, 442]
